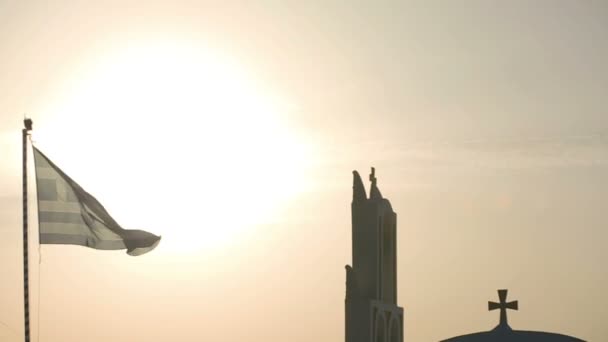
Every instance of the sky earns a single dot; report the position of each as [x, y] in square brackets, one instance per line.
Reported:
[231, 129]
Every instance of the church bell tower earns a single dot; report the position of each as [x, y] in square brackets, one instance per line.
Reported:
[371, 311]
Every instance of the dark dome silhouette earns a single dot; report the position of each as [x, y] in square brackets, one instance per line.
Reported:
[504, 333]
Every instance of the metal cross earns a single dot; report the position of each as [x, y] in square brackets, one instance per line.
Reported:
[503, 306]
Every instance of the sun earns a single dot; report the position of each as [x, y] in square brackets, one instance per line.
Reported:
[178, 140]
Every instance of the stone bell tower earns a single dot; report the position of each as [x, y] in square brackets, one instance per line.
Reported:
[372, 314]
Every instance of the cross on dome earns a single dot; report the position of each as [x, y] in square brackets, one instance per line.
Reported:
[503, 306]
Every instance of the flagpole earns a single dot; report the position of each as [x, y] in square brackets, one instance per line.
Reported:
[26, 282]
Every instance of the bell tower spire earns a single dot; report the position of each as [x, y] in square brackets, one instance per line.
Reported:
[372, 314]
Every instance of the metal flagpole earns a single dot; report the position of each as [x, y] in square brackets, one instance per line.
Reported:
[26, 282]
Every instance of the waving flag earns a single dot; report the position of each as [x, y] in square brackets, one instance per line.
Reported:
[69, 215]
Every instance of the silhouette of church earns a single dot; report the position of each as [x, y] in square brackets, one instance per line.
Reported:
[371, 311]
[371, 307]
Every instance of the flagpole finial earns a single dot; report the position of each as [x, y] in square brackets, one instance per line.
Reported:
[27, 122]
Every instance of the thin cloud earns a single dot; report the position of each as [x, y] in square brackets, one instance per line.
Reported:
[525, 153]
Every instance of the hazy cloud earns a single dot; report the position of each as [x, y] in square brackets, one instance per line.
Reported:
[523, 153]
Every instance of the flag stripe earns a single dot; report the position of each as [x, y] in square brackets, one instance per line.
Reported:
[56, 206]
[60, 217]
[67, 239]
[95, 231]
[64, 228]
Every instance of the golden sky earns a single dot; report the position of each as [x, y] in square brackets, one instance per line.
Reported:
[231, 129]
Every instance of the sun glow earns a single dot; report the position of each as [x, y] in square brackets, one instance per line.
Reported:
[179, 141]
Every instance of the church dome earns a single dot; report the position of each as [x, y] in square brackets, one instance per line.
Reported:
[504, 333]
[513, 336]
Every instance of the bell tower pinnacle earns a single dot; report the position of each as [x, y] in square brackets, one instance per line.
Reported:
[371, 310]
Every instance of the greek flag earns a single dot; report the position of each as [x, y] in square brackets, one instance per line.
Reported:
[69, 215]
